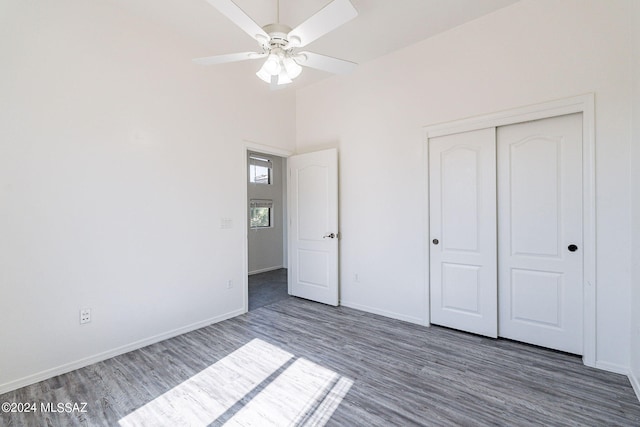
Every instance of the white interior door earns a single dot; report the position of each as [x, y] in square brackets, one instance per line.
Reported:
[540, 232]
[313, 226]
[462, 199]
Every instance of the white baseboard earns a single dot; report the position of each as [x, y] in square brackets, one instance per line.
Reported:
[382, 312]
[612, 367]
[81, 363]
[635, 384]
[264, 270]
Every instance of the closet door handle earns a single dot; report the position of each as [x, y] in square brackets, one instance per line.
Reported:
[572, 248]
[436, 241]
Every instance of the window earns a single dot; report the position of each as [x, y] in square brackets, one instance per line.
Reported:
[260, 213]
[260, 170]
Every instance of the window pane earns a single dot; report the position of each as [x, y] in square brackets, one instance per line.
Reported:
[260, 175]
[260, 217]
[260, 170]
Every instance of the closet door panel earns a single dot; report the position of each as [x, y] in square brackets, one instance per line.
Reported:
[462, 189]
[540, 232]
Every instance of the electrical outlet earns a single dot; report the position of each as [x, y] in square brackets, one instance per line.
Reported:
[85, 316]
[356, 278]
[229, 284]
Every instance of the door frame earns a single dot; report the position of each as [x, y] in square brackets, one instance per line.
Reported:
[584, 104]
[249, 146]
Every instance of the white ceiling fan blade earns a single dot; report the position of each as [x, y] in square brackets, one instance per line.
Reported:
[327, 19]
[325, 63]
[231, 57]
[241, 19]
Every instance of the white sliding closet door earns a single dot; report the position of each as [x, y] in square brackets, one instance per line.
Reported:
[462, 196]
[540, 232]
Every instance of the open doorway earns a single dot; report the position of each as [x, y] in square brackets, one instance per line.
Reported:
[267, 231]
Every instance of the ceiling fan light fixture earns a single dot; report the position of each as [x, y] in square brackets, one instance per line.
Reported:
[292, 68]
[284, 78]
[264, 76]
[272, 65]
[279, 41]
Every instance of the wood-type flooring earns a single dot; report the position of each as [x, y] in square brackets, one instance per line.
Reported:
[295, 362]
[267, 288]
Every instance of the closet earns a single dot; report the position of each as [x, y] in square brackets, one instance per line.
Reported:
[506, 230]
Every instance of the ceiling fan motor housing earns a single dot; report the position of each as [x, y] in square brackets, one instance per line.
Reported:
[277, 36]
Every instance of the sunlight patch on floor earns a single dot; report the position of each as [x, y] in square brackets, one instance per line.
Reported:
[327, 407]
[202, 398]
[238, 389]
[302, 395]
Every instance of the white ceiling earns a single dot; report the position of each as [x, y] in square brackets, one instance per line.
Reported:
[381, 27]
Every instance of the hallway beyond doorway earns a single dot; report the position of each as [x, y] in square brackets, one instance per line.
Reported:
[267, 288]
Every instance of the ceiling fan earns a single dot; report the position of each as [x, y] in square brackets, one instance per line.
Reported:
[279, 43]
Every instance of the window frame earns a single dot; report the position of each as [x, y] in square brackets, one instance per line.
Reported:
[261, 204]
[256, 161]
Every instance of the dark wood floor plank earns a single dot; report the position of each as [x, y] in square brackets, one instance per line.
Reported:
[403, 374]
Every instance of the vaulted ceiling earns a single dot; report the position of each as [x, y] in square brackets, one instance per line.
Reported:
[381, 27]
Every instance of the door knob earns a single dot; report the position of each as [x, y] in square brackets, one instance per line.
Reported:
[330, 236]
[572, 248]
[436, 241]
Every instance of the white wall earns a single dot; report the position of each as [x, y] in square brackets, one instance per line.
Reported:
[635, 211]
[266, 245]
[531, 52]
[118, 160]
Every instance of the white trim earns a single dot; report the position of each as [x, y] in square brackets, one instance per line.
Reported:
[81, 363]
[266, 149]
[635, 384]
[528, 113]
[584, 104]
[426, 244]
[612, 367]
[246, 147]
[264, 270]
[285, 213]
[385, 313]
[589, 229]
